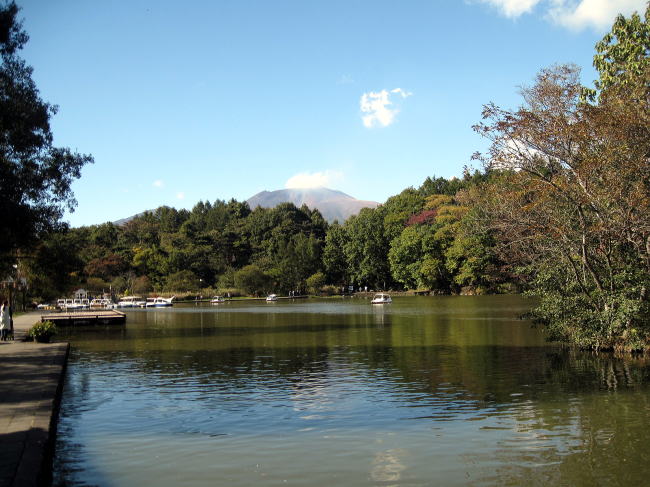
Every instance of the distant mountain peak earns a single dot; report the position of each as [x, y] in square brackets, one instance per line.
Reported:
[333, 204]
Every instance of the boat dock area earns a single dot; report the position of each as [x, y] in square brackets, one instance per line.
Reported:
[31, 379]
[88, 317]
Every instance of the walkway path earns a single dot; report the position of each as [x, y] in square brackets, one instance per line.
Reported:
[31, 377]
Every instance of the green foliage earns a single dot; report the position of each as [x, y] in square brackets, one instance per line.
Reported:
[406, 256]
[398, 209]
[253, 280]
[570, 207]
[55, 268]
[213, 245]
[96, 285]
[43, 331]
[141, 285]
[418, 256]
[315, 282]
[623, 53]
[119, 285]
[366, 249]
[184, 280]
[334, 260]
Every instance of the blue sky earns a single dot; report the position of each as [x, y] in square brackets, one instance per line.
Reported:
[203, 100]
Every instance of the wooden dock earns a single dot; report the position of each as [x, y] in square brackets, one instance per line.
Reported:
[87, 317]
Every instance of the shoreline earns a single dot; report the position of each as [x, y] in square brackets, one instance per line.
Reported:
[31, 383]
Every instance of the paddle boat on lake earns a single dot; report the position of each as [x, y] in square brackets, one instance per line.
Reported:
[159, 302]
[381, 298]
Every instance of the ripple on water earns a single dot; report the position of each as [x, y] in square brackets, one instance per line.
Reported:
[355, 400]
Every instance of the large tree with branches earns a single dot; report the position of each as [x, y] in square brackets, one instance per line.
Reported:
[35, 176]
[572, 206]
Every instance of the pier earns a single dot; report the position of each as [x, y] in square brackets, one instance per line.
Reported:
[88, 317]
[31, 380]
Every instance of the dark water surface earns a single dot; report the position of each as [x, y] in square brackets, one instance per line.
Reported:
[425, 391]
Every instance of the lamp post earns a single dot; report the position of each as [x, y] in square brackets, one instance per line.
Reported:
[12, 286]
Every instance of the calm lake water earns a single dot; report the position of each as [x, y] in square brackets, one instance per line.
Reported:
[425, 391]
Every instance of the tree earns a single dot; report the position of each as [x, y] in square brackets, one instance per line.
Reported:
[417, 255]
[35, 176]
[366, 249]
[398, 209]
[572, 208]
[106, 267]
[141, 285]
[334, 260]
[623, 54]
[471, 258]
[407, 253]
[252, 279]
[184, 280]
[315, 282]
[55, 266]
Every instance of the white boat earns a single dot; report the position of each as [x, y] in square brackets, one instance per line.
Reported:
[217, 300]
[101, 303]
[381, 298]
[159, 302]
[72, 304]
[131, 302]
[272, 297]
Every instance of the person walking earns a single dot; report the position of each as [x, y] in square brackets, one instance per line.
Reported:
[5, 321]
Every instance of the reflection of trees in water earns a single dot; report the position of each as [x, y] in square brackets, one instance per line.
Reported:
[584, 424]
[548, 415]
[594, 439]
[556, 416]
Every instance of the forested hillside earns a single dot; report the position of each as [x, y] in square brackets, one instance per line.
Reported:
[419, 239]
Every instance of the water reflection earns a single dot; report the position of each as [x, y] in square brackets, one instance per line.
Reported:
[425, 391]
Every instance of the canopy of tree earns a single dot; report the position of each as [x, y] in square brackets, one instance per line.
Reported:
[571, 208]
[35, 176]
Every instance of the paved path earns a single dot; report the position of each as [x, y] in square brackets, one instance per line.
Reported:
[31, 377]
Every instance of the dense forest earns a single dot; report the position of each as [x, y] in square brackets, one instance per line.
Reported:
[419, 239]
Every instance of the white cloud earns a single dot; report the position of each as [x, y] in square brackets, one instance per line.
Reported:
[158, 183]
[180, 195]
[377, 107]
[314, 180]
[573, 14]
[512, 8]
[599, 14]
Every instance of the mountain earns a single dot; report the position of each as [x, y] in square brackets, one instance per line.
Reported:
[333, 205]
[124, 221]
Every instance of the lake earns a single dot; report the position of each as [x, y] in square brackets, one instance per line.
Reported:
[450, 390]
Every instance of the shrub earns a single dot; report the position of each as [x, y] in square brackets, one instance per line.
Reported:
[42, 331]
[315, 282]
[330, 290]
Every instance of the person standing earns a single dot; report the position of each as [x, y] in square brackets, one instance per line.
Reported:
[5, 320]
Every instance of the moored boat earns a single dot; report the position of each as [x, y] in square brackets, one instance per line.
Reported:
[217, 300]
[272, 297]
[101, 303]
[381, 298]
[72, 304]
[159, 302]
[131, 302]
